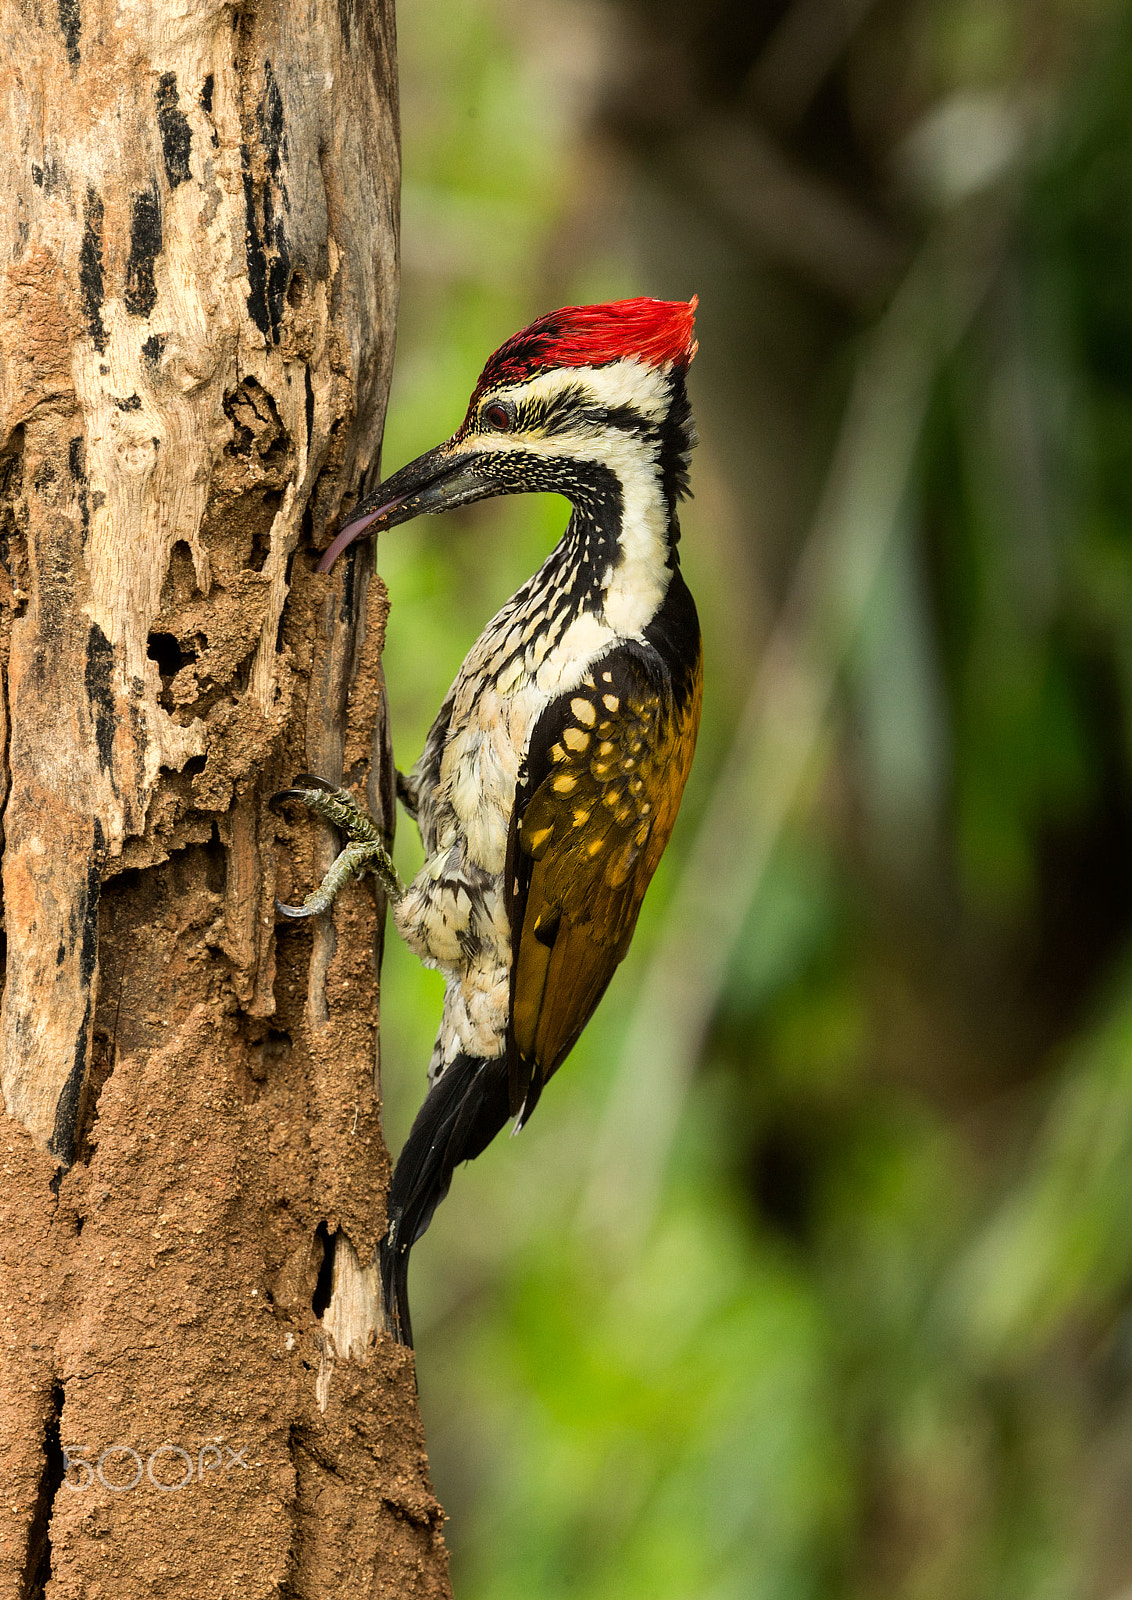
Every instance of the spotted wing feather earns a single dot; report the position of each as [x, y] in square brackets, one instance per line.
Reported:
[602, 785]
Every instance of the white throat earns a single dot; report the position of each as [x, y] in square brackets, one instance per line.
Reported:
[636, 583]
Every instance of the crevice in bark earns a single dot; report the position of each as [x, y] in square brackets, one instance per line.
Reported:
[83, 933]
[37, 1566]
[289, 1587]
[99, 1070]
[13, 561]
[11, 489]
[324, 1284]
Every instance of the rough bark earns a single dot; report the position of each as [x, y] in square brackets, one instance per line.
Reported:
[197, 296]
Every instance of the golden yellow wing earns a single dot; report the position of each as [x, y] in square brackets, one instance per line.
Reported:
[605, 776]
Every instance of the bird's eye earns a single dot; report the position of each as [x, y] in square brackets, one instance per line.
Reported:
[498, 417]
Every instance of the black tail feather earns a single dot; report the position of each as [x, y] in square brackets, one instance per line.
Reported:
[395, 1288]
[461, 1115]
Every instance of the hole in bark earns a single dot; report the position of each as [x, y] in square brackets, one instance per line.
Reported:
[256, 424]
[171, 655]
[215, 863]
[180, 583]
[297, 290]
[323, 1288]
[165, 649]
[37, 1567]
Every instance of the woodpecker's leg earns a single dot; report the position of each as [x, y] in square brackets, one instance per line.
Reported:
[365, 851]
[407, 794]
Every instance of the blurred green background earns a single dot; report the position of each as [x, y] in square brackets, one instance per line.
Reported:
[812, 1277]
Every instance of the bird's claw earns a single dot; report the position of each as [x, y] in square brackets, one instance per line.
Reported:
[364, 852]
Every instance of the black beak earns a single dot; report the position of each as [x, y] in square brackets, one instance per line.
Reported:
[436, 481]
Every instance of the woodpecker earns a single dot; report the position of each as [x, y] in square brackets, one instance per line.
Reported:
[550, 780]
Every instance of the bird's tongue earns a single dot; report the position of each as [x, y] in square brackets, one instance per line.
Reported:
[349, 533]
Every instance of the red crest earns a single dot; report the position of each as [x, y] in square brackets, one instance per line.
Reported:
[654, 331]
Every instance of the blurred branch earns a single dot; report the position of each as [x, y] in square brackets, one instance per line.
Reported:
[788, 711]
[800, 54]
[788, 212]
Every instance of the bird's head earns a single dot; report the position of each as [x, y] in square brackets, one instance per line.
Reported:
[581, 394]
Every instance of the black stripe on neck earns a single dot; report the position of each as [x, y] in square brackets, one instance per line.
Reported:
[591, 544]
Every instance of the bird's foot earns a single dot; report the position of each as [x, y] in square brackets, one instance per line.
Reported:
[364, 852]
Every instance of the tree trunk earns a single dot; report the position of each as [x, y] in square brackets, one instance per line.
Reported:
[198, 256]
